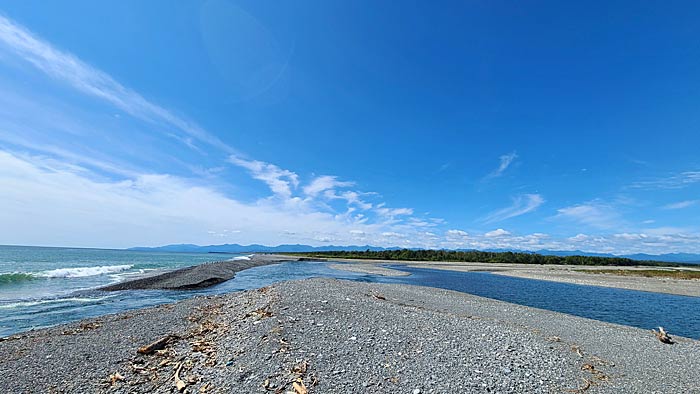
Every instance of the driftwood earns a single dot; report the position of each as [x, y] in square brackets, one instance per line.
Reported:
[179, 383]
[663, 336]
[157, 345]
[299, 387]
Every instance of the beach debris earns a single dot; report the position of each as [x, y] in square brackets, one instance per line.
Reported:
[300, 368]
[83, 327]
[114, 378]
[586, 386]
[663, 336]
[577, 349]
[179, 383]
[259, 313]
[12, 338]
[595, 372]
[264, 290]
[90, 326]
[267, 385]
[299, 386]
[157, 345]
[377, 296]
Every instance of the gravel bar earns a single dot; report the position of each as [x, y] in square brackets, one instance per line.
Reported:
[333, 336]
[372, 269]
[198, 276]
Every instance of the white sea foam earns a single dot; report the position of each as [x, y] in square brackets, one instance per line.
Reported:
[79, 300]
[242, 257]
[81, 272]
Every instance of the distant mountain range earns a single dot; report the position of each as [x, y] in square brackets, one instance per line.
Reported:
[236, 248]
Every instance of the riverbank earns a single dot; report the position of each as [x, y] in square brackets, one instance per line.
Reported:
[574, 274]
[333, 336]
[368, 269]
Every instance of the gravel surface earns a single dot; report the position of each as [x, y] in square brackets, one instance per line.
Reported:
[198, 276]
[335, 336]
[368, 269]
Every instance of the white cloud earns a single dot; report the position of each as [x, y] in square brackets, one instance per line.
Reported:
[47, 204]
[681, 204]
[279, 180]
[521, 205]
[497, 233]
[67, 68]
[323, 183]
[457, 233]
[631, 237]
[579, 238]
[506, 161]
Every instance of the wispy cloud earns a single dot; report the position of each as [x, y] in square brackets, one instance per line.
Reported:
[67, 68]
[682, 204]
[279, 180]
[595, 214]
[324, 182]
[505, 162]
[520, 206]
[393, 212]
[674, 181]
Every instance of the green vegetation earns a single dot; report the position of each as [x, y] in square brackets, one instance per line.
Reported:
[483, 257]
[673, 274]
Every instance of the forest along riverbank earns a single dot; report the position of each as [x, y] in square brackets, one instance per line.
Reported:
[331, 336]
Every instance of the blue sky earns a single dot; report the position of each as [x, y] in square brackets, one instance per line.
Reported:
[479, 124]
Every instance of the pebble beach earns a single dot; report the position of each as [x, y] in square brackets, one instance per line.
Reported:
[334, 336]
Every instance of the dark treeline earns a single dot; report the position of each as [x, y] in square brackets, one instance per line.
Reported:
[476, 256]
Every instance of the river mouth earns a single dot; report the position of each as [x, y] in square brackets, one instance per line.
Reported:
[680, 315]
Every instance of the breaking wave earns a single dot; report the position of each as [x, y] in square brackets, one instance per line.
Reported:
[81, 272]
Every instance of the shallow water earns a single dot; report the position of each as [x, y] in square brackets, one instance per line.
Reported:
[679, 315]
[66, 293]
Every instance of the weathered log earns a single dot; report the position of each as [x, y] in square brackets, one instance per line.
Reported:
[179, 383]
[157, 345]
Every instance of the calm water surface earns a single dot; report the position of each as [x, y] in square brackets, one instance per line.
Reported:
[677, 314]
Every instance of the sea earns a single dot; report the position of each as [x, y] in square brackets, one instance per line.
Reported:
[42, 287]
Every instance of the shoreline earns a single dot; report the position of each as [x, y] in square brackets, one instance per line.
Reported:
[555, 273]
[372, 270]
[337, 336]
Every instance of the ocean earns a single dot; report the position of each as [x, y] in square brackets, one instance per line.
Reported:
[42, 287]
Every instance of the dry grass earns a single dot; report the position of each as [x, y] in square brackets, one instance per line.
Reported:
[673, 274]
